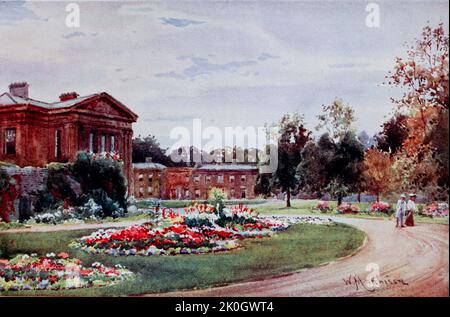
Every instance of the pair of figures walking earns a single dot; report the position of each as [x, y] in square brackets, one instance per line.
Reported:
[405, 211]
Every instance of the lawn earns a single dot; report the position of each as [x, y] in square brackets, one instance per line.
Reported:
[187, 203]
[307, 207]
[301, 246]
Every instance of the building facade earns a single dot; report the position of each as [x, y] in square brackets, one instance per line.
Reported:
[157, 181]
[35, 133]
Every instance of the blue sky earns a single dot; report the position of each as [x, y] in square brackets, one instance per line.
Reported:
[230, 63]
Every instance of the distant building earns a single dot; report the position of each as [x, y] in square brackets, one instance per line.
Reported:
[157, 181]
[35, 133]
[147, 179]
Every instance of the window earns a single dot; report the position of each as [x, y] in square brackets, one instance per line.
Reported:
[10, 141]
[197, 193]
[141, 191]
[208, 179]
[112, 146]
[141, 177]
[103, 144]
[58, 144]
[231, 178]
[220, 178]
[150, 178]
[196, 179]
[91, 142]
[150, 190]
[243, 178]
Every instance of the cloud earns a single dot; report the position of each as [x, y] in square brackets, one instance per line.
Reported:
[202, 66]
[349, 65]
[266, 56]
[74, 34]
[179, 23]
[12, 12]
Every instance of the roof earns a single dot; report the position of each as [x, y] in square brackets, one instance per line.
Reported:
[228, 167]
[6, 99]
[149, 166]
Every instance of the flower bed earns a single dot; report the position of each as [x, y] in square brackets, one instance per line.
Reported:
[347, 208]
[323, 206]
[381, 207]
[54, 272]
[435, 210]
[201, 230]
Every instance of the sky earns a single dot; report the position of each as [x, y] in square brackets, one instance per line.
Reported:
[228, 63]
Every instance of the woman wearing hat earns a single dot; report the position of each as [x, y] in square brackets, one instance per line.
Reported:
[410, 210]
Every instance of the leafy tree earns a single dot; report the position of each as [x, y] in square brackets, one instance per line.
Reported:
[149, 147]
[332, 167]
[347, 165]
[377, 172]
[314, 169]
[264, 185]
[394, 133]
[337, 119]
[423, 76]
[291, 140]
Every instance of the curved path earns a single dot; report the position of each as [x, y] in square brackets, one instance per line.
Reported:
[412, 261]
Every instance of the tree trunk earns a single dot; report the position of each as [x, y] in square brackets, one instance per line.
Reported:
[288, 198]
[339, 202]
[378, 197]
[359, 197]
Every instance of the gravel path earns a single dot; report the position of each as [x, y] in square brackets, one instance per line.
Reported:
[416, 256]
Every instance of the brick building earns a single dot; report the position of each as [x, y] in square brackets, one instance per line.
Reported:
[157, 181]
[148, 179]
[35, 133]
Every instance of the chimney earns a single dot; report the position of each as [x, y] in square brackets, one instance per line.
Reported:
[68, 96]
[19, 89]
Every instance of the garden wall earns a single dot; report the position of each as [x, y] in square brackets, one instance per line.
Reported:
[26, 181]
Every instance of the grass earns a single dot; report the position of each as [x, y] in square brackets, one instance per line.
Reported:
[11, 225]
[187, 203]
[307, 207]
[302, 246]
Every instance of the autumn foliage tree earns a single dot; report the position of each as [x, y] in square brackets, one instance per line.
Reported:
[377, 172]
[423, 77]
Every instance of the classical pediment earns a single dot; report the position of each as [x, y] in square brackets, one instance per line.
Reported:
[104, 104]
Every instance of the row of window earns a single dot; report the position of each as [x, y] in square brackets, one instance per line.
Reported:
[11, 134]
[103, 147]
[219, 178]
[208, 178]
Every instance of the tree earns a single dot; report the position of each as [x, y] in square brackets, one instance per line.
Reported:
[377, 172]
[394, 133]
[292, 138]
[337, 170]
[314, 169]
[337, 119]
[347, 165]
[264, 185]
[332, 167]
[423, 76]
[149, 147]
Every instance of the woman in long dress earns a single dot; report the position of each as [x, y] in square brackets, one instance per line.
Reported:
[411, 208]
